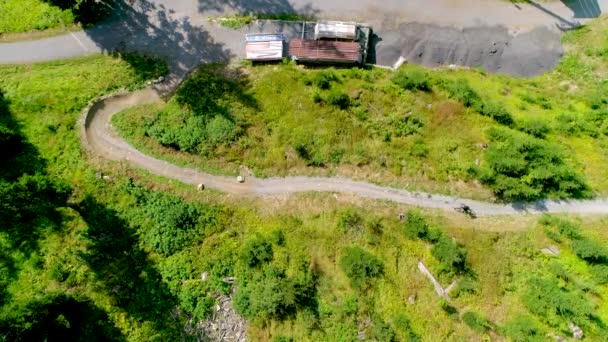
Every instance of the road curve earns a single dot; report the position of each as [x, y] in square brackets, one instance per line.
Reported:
[99, 137]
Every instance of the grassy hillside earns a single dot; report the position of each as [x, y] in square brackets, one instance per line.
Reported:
[449, 131]
[121, 259]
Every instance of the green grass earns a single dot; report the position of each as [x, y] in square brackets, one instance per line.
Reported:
[241, 20]
[28, 15]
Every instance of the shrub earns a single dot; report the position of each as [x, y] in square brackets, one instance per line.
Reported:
[412, 80]
[535, 127]
[350, 220]
[409, 125]
[566, 228]
[220, 130]
[464, 93]
[572, 125]
[203, 94]
[193, 299]
[339, 99]
[381, 331]
[600, 273]
[360, 266]
[322, 79]
[452, 256]
[271, 294]
[520, 167]
[522, 329]
[419, 149]
[590, 251]
[256, 251]
[553, 304]
[461, 91]
[497, 112]
[174, 223]
[416, 226]
[476, 322]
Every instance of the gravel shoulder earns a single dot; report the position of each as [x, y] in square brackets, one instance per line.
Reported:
[99, 137]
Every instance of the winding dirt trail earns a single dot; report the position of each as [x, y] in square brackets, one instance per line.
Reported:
[99, 137]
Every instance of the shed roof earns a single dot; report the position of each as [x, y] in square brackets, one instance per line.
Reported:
[264, 50]
[325, 51]
[335, 29]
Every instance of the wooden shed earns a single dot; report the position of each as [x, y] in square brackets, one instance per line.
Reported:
[325, 51]
[336, 30]
[264, 47]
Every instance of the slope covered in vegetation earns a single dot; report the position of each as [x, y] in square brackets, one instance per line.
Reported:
[450, 131]
[123, 258]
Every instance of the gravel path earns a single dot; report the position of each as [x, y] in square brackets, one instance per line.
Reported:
[99, 137]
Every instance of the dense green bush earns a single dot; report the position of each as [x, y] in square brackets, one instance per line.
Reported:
[412, 80]
[535, 127]
[452, 256]
[599, 273]
[554, 304]
[408, 125]
[520, 167]
[203, 94]
[194, 298]
[461, 90]
[168, 224]
[256, 251]
[271, 294]
[567, 228]
[476, 322]
[322, 79]
[590, 251]
[350, 221]
[573, 124]
[522, 329]
[360, 266]
[339, 99]
[416, 226]
[220, 130]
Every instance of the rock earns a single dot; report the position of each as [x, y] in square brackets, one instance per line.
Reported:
[204, 276]
[98, 175]
[411, 299]
[107, 178]
[200, 187]
[577, 332]
[218, 308]
[240, 179]
[452, 67]
[550, 250]
[229, 279]
[361, 335]
[429, 106]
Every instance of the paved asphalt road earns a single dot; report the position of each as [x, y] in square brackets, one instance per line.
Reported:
[180, 30]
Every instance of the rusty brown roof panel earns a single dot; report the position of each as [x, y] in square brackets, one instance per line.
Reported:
[325, 51]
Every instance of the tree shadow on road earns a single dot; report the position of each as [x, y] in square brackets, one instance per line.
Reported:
[266, 7]
[154, 30]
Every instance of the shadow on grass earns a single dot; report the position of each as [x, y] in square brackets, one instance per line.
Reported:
[58, 317]
[123, 268]
[29, 197]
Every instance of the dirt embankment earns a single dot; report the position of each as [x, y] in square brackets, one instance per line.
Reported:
[493, 48]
